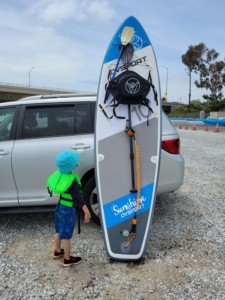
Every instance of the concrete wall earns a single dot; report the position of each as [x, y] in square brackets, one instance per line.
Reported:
[217, 114]
[13, 93]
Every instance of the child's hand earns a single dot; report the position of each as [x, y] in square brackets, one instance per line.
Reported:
[87, 215]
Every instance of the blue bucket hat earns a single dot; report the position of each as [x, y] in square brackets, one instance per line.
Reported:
[66, 161]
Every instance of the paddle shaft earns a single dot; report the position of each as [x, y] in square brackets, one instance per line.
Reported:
[114, 71]
[126, 36]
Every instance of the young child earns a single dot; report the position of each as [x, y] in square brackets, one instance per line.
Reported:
[68, 185]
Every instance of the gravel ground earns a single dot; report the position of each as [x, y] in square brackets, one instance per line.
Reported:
[184, 258]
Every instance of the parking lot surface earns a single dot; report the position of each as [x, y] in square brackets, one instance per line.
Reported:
[184, 258]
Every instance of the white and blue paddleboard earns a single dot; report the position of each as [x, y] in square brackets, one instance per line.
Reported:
[127, 209]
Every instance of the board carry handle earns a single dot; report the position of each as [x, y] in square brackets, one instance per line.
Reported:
[126, 37]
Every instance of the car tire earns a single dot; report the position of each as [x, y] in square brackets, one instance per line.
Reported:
[90, 196]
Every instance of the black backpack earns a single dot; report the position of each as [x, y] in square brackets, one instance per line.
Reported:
[130, 88]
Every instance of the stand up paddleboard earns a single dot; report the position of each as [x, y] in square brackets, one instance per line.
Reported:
[128, 141]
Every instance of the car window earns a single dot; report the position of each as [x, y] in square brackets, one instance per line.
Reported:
[6, 120]
[57, 120]
[83, 119]
[47, 121]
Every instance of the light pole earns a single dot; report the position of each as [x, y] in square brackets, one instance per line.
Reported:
[166, 94]
[29, 74]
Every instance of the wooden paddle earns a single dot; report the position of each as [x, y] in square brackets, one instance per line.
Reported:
[127, 34]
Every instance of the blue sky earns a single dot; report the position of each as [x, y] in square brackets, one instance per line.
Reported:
[66, 40]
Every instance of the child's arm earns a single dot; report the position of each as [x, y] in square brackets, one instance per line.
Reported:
[87, 215]
[77, 194]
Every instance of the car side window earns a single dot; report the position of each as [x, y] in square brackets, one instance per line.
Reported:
[48, 121]
[6, 120]
[83, 119]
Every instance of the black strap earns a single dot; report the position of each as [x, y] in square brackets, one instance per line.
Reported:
[65, 199]
[104, 112]
[78, 221]
[49, 191]
[114, 111]
[153, 88]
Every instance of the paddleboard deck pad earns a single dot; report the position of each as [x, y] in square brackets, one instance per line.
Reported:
[128, 141]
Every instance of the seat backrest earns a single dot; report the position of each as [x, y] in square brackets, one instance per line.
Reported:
[30, 120]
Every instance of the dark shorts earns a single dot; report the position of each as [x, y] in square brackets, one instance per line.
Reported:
[65, 218]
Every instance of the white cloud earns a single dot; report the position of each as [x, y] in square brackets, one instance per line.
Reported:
[57, 11]
[99, 8]
[66, 39]
[57, 59]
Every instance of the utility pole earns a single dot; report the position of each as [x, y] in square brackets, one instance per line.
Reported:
[29, 74]
[166, 93]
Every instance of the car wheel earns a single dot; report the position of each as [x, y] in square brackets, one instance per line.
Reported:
[90, 196]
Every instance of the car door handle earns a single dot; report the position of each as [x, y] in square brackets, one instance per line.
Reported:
[3, 152]
[81, 147]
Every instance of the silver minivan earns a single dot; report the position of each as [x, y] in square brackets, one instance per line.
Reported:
[35, 129]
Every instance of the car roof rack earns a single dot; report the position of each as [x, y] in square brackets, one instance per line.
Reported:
[54, 96]
[68, 95]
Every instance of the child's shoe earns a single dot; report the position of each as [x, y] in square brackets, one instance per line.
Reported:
[72, 261]
[58, 254]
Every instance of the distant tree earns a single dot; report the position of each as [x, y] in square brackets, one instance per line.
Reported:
[201, 60]
[212, 78]
[196, 104]
[192, 59]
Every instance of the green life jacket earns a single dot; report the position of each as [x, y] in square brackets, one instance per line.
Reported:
[59, 183]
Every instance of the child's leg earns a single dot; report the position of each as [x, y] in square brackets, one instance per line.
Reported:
[57, 228]
[67, 245]
[57, 243]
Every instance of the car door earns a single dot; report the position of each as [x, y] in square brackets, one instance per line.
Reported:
[45, 131]
[8, 118]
